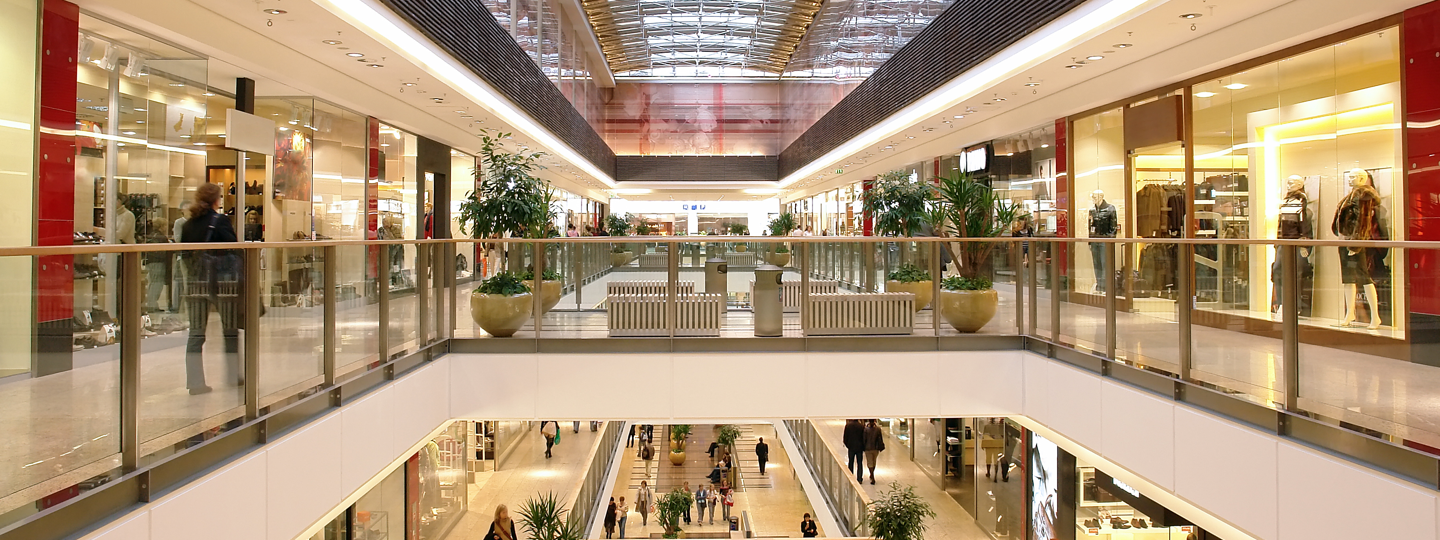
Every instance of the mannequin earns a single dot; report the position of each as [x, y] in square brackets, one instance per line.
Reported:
[1358, 218]
[124, 223]
[1103, 224]
[1295, 221]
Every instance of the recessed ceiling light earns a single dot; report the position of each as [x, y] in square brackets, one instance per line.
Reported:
[384, 144]
[139, 121]
[127, 132]
[1204, 94]
[1190, 16]
[999, 99]
[1044, 146]
[374, 65]
[355, 54]
[198, 143]
[1032, 84]
[275, 11]
[332, 42]
[177, 84]
[466, 116]
[437, 100]
[1236, 86]
[283, 128]
[1094, 57]
[408, 84]
[184, 136]
[1122, 45]
[137, 109]
[1073, 66]
[909, 136]
[208, 94]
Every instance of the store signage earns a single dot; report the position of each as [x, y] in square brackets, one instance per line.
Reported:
[696, 207]
[1157, 513]
[250, 133]
[1124, 487]
[974, 159]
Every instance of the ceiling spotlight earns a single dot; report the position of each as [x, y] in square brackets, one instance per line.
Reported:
[1122, 45]
[1032, 84]
[1204, 94]
[1236, 86]
[275, 11]
[374, 65]
[909, 136]
[998, 98]
[407, 84]
[355, 54]
[1190, 16]
[1073, 66]
[332, 42]
[1094, 57]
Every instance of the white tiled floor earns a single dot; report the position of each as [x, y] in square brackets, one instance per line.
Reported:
[527, 473]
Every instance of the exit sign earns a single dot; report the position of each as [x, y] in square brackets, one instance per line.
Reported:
[839, 171]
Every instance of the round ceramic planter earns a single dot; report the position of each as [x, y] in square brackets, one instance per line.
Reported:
[500, 316]
[969, 311]
[620, 259]
[924, 291]
[780, 259]
[549, 294]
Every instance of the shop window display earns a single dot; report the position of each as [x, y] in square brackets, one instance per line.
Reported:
[1107, 508]
[380, 513]
[440, 489]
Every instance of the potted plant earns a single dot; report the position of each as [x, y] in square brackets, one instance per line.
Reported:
[501, 304]
[914, 280]
[549, 287]
[546, 518]
[970, 209]
[678, 433]
[781, 226]
[739, 229]
[619, 256]
[509, 201]
[618, 225]
[670, 507]
[898, 514]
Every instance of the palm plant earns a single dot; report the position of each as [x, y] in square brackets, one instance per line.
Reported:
[670, 507]
[782, 224]
[678, 432]
[728, 435]
[898, 514]
[898, 205]
[739, 229]
[545, 518]
[617, 225]
[510, 199]
[970, 209]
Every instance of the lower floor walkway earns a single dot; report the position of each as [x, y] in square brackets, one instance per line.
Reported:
[527, 473]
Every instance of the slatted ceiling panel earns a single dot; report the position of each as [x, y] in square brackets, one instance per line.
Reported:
[966, 34]
[469, 32]
[696, 168]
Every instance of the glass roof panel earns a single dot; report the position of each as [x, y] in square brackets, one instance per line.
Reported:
[697, 38]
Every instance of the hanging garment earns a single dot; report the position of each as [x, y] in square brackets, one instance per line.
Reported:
[1149, 213]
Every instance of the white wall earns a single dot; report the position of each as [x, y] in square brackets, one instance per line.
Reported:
[758, 212]
[1229, 478]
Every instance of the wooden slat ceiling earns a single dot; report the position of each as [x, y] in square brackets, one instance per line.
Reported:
[735, 37]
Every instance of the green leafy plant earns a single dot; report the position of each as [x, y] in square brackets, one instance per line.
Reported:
[617, 248]
[678, 432]
[727, 435]
[617, 225]
[898, 514]
[962, 283]
[547, 275]
[782, 249]
[670, 507]
[739, 229]
[782, 224]
[897, 205]
[503, 284]
[644, 228]
[969, 209]
[509, 198]
[545, 518]
[908, 273]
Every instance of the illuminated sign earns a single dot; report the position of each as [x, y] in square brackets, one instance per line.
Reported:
[1124, 487]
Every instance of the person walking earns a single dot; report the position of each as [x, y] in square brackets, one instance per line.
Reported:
[577, 426]
[647, 454]
[686, 515]
[643, 499]
[702, 497]
[762, 452]
[215, 281]
[713, 502]
[502, 528]
[630, 439]
[623, 512]
[808, 529]
[610, 518]
[548, 430]
[855, 446]
[874, 444]
[727, 499]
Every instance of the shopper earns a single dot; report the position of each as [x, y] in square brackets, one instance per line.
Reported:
[714, 452]
[647, 454]
[502, 528]
[686, 515]
[577, 426]
[808, 528]
[712, 502]
[874, 444]
[643, 499]
[718, 473]
[727, 499]
[855, 446]
[215, 281]
[702, 498]
[548, 429]
[762, 452]
[611, 519]
[630, 439]
[624, 512]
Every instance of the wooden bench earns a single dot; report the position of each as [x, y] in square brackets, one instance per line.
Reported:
[790, 292]
[643, 315]
[647, 287]
[654, 260]
[739, 259]
[849, 314]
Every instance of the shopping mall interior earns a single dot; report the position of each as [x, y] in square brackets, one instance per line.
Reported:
[583, 269]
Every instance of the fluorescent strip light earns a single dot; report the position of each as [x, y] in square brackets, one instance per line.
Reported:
[14, 125]
[1034, 48]
[380, 23]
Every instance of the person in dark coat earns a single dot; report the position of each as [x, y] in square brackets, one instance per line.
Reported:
[855, 446]
[214, 282]
[874, 444]
[502, 528]
[808, 529]
[762, 452]
[611, 518]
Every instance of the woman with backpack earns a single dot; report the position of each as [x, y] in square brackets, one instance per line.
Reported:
[215, 281]
[647, 453]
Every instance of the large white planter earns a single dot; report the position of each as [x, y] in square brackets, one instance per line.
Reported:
[924, 291]
[969, 311]
[500, 316]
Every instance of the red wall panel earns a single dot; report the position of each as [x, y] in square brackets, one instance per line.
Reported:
[55, 189]
[1421, 45]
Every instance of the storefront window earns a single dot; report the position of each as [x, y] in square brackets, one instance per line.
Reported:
[441, 493]
[1109, 509]
[1099, 150]
[380, 514]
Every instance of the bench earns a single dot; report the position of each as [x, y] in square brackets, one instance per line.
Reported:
[847, 314]
[790, 292]
[643, 315]
[654, 260]
[739, 259]
[647, 287]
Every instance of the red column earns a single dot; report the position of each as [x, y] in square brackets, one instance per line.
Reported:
[869, 220]
[55, 184]
[1062, 192]
[1421, 34]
